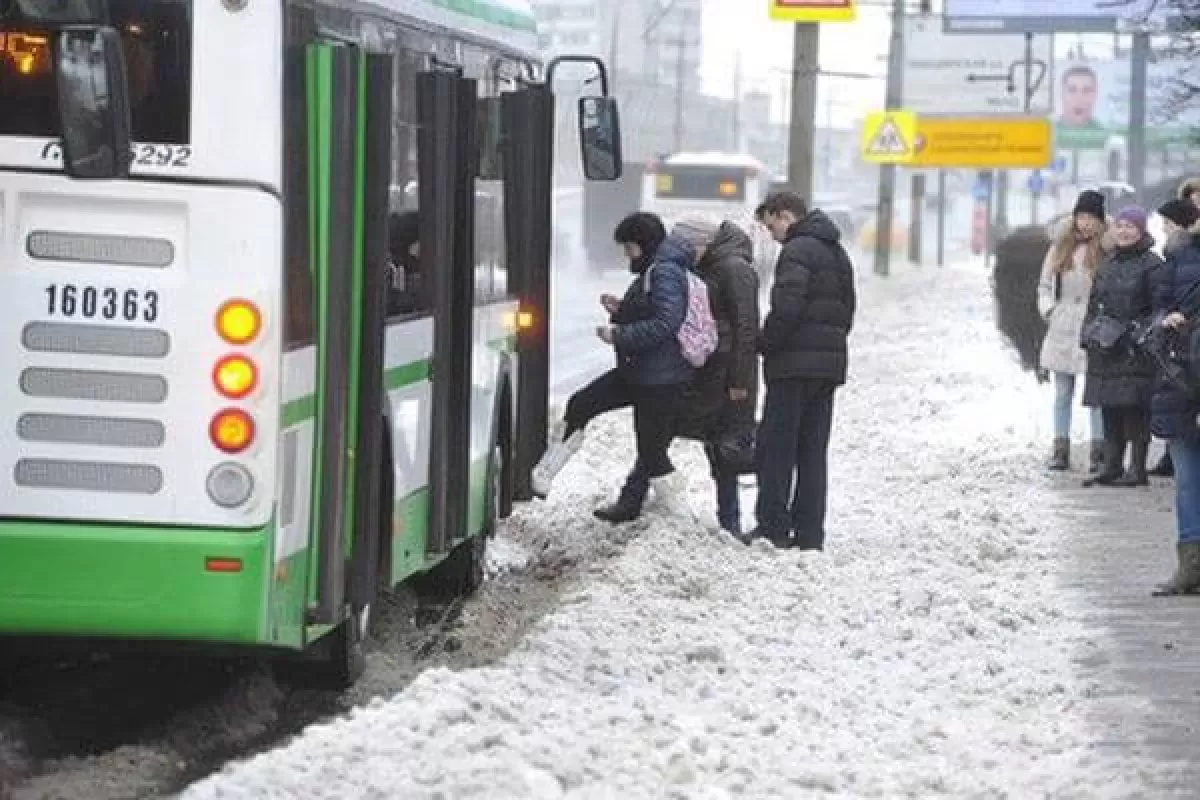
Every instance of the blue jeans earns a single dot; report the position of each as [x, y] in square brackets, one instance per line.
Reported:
[1064, 402]
[729, 506]
[1185, 453]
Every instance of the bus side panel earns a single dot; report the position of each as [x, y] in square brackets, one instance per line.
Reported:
[132, 582]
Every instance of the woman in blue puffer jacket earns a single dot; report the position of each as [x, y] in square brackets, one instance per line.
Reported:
[1174, 408]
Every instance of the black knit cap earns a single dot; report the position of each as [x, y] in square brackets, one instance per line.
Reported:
[1182, 212]
[1090, 202]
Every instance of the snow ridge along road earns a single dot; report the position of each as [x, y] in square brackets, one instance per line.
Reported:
[928, 653]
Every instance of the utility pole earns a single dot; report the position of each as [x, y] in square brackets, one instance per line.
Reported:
[680, 91]
[1137, 112]
[737, 104]
[887, 172]
[806, 51]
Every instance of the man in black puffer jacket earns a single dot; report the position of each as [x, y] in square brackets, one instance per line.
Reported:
[803, 343]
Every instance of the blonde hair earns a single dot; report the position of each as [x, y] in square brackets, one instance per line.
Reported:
[1065, 245]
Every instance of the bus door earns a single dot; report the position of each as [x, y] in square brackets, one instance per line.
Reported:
[446, 140]
[528, 120]
[346, 110]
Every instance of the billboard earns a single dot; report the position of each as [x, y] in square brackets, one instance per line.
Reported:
[973, 75]
[1048, 16]
[812, 10]
[1091, 102]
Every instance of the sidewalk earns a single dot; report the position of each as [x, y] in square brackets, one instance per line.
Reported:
[1147, 658]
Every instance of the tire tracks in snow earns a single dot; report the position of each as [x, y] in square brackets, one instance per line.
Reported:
[118, 724]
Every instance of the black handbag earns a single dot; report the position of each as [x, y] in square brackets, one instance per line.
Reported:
[737, 443]
[1103, 332]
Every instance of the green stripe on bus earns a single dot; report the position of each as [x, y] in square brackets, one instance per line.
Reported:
[491, 12]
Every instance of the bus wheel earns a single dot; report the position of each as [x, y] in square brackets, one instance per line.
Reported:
[335, 662]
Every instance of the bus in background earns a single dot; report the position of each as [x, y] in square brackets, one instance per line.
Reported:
[727, 185]
[217, 427]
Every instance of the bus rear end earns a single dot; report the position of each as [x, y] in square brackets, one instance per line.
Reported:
[140, 379]
[725, 187]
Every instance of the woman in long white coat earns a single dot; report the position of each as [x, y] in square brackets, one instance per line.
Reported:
[1063, 293]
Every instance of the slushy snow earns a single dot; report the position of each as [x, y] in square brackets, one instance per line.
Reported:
[927, 653]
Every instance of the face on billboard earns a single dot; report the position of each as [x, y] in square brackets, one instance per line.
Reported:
[1080, 88]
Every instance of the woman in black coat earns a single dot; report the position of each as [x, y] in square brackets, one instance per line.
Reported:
[1120, 377]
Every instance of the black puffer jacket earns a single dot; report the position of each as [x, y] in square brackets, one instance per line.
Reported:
[1122, 376]
[728, 271]
[812, 305]
[1177, 288]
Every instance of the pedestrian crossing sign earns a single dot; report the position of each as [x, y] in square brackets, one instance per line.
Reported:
[888, 137]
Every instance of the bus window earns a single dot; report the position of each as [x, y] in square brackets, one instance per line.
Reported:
[700, 183]
[158, 54]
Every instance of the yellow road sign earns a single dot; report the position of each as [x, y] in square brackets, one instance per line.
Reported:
[983, 142]
[812, 10]
[889, 137]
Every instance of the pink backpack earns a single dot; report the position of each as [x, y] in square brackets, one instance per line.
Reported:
[698, 334]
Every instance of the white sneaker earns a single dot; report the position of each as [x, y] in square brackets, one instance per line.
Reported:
[672, 494]
[556, 457]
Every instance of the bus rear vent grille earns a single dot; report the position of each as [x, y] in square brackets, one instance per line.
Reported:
[95, 340]
[108, 387]
[94, 476]
[93, 431]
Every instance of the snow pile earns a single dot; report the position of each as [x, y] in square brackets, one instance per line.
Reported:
[928, 652]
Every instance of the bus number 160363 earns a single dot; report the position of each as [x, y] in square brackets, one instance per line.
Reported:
[89, 302]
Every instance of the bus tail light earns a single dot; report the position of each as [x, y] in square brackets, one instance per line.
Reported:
[235, 376]
[524, 320]
[230, 485]
[232, 431]
[239, 322]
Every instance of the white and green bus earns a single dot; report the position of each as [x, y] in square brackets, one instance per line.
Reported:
[221, 423]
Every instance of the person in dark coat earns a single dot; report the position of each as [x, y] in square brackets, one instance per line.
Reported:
[724, 394]
[1179, 223]
[1120, 375]
[1174, 409]
[651, 372]
[803, 342]
[404, 273]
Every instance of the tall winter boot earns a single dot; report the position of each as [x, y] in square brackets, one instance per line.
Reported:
[1096, 456]
[1136, 474]
[627, 507]
[1060, 456]
[671, 491]
[1114, 463]
[1186, 579]
[555, 458]
[1165, 468]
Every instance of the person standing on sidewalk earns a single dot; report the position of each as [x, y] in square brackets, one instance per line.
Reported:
[804, 348]
[1174, 409]
[1179, 221]
[1063, 292]
[1120, 375]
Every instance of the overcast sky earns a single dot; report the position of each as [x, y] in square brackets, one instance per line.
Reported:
[742, 26]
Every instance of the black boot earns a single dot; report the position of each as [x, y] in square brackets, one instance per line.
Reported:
[628, 505]
[1165, 468]
[1096, 457]
[1114, 463]
[1186, 579]
[1060, 456]
[1136, 474]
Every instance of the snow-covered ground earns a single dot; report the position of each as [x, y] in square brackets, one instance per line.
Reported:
[927, 653]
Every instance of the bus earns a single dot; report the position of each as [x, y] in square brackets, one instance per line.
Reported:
[727, 185]
[219, 429]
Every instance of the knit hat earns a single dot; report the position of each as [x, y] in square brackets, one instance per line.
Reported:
[1134, 215]
[1182, 212]
[698, 230]
[1090, 202]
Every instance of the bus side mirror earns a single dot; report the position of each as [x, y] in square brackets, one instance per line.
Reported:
[600, 138]
[93, 103]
